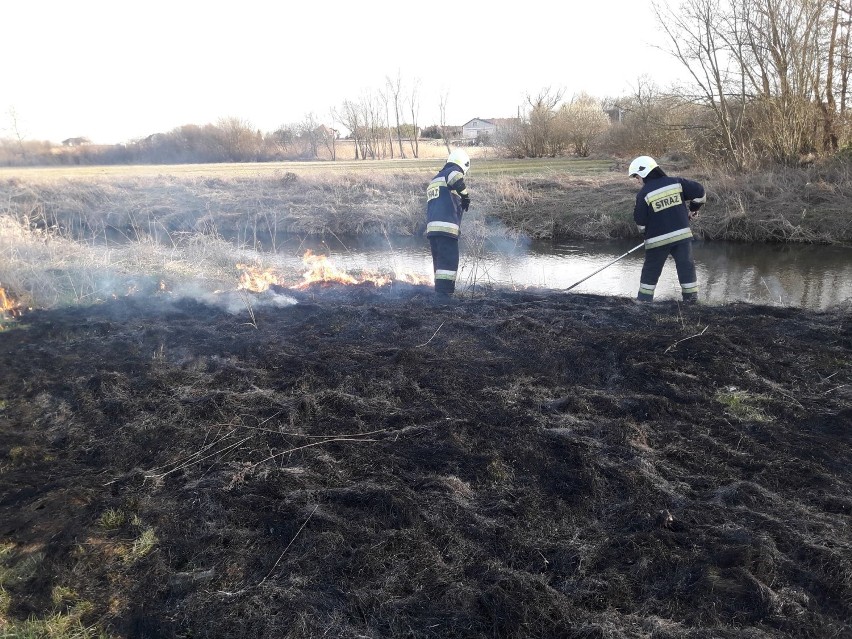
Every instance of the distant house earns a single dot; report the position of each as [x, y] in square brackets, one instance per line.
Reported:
[75, 141]
[478, 128]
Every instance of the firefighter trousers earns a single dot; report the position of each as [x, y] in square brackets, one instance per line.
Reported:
[445, 263]
[655, 259]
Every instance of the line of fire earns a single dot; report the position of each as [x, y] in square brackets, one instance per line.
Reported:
[320, 271]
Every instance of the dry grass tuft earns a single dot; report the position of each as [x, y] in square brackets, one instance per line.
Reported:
[46, 267]
[783, 205]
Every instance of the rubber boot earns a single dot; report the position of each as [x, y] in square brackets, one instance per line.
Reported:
[444, 289]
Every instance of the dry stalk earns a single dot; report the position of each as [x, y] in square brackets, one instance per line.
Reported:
[431, 338]
[275, 565]
[247, 301]
[686, 338]
[234, 593]
[190, 463]
[353, 438]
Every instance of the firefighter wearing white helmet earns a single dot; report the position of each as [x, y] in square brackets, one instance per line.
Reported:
[460, 159]
[664, 207]
[447, 199]
[642, 166]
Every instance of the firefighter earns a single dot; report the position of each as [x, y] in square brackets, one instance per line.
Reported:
[664, 207]
[446, 200]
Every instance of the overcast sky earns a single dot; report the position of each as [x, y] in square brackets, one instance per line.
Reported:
[115, 71]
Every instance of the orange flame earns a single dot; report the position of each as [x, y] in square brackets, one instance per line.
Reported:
[8, 306]
[256, 280]
[410, 277]
[320, 270]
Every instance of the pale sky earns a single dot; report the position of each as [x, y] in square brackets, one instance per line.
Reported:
[114, 71]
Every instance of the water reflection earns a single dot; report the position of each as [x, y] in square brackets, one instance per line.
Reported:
[790, 275]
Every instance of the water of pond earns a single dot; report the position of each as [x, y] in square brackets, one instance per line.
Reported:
[814, 277]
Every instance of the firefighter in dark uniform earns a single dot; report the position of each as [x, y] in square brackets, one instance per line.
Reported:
[664, 207]
[446, 200]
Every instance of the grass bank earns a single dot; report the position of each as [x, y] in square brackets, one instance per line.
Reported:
[546, 199]
[170, 221]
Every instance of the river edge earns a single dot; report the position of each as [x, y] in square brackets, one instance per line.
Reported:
[802, 205]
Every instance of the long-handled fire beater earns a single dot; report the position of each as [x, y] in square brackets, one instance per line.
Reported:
[635, 248]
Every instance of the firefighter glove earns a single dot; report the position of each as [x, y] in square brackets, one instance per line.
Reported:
[465, 202]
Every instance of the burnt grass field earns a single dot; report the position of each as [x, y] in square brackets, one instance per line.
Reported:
[366, 463]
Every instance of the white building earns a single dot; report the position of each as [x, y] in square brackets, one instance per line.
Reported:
[477, 128]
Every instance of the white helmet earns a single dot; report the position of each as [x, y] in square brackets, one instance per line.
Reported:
[642, 166]
[460, 157]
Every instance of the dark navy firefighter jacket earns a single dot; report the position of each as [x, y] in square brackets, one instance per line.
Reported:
[661, 208]
[444, 201]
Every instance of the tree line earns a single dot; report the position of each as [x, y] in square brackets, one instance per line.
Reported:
[770, 78]
[769, 84]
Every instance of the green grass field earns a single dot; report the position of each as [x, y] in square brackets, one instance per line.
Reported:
[425, 166]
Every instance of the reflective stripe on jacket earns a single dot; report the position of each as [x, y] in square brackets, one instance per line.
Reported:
[443, 201]
[661, 208]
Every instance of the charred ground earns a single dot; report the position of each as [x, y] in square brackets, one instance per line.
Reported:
[366, 463]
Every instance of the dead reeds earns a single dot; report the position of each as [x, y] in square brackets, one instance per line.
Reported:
[76, 238]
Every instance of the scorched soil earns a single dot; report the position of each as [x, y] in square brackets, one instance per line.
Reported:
[360, 462]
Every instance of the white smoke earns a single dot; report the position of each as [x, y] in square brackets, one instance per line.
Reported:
[232, 301]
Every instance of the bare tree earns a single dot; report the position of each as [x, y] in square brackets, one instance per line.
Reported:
[414, 105]
[384, 99]
[538, 130]
[371, 115]
[828, 105]
[788, 49]
[845, 62]
[395, 89]
[16, 131]
[238, 138]
[700, 47]
[540, 133]
[311, 131]
[767, 71]
[442, 113]
[651, 121]
[349, 116]
[283, 138]
[330, 140]
[582, 122]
